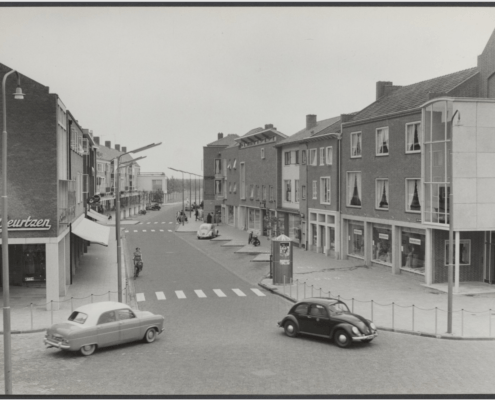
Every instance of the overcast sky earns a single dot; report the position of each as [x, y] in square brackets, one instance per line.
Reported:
[180, 75]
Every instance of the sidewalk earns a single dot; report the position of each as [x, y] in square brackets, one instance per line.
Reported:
[394, 302]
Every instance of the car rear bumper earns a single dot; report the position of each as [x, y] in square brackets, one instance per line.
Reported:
[361, 338]
[50, 343]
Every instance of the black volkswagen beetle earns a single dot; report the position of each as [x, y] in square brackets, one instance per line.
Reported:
[329, 318]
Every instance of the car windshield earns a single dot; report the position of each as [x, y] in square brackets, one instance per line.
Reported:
[338, 308]
[78, 317]
[204, 228]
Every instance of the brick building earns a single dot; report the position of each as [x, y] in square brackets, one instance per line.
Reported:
[50, 167]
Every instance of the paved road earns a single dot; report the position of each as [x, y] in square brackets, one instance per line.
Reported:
[221, 338]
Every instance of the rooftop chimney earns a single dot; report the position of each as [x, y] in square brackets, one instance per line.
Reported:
[380, 88]
[108, 144]
[124, 149]
[310, 121]
[97, 139]
[117, 147]
[345, 117]
[269, 126]
[220, 135]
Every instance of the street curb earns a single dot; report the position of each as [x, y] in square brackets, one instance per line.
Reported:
[28, 331]
[401, 331]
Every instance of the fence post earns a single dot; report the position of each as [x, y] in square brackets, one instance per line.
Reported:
[436, 319]
[284, 284]
[371, 310]
[32, 316]
[353, 304]
[413, 317]
[320, 292]
[290, 288]
[338, 297]
[109, 295]
[312, 290]
[304, 289]
[490, 322]
[91, 297]
[51, 310]
[393, 316]
[71, 305]
[297, 288]
[462, 322]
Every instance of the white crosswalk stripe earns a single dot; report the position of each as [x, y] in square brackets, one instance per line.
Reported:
[161, 230]
[135, 230]
[219, 293]
[169, 230]
[140, 297]
[165, 222]
[126, 231]
[238, 292]
[148, 222]
[152, 230]
[144, 230]
[156, 222]
[170, 222]
[200, 293]
[258, 292]
[160, 295]
[180, 294]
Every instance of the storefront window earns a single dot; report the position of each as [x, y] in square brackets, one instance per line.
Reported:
[27, 264]
[413, 250]
[356, 239]
[382, 244]
[294, 226]
[257, 219]
[251, 218]
[231, 215]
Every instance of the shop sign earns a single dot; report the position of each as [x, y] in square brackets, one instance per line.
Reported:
[383, 236]
[28, 224]
[415, 241]
[358, 232]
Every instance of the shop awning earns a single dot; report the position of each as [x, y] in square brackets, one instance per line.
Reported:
[92, 232]
[96, 215]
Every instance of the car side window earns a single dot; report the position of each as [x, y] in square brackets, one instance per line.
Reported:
[125, 314]
[318, 311]
[301, 309]
[107, 317]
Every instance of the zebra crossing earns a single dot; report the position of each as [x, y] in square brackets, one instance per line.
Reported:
[151, 228]
[198, 293]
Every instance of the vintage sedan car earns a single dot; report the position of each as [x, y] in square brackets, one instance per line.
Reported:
[207, 231]
[103, 324]
[329, 318]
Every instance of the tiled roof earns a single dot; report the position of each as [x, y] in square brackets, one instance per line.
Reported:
[307, 133]
[225, 141]
[253, 131]
[412, 96]
[108, 154]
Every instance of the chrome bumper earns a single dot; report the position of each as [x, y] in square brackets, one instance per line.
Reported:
[49, 344]
[361, 338]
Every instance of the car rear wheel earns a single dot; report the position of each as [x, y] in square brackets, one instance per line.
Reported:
[88, 349]
[290, 329]
[150, 335]
[342, 338]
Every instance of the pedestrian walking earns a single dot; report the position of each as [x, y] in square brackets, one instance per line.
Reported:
[208, 218]
[178, 217]
[196, 213]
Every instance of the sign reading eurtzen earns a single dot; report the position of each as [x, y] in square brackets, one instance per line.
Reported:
[27, 224]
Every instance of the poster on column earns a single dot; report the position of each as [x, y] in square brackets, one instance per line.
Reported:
[284, 253]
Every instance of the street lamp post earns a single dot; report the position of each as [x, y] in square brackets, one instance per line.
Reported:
[18, 95]
[117, 214]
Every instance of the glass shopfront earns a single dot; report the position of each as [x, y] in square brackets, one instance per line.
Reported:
[382, 244]
[294, 226]
[230, 215]
[356, 239]
[413, 250]
[254, 219]
[27, 265]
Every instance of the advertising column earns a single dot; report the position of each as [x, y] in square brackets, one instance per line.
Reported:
[282, 259]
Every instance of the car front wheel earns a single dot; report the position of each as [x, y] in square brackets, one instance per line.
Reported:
[290, 329]
[88, 349]
[150, 335]
[342, 338]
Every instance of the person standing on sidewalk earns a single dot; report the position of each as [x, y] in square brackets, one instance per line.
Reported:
[208, 218]
[196, 213]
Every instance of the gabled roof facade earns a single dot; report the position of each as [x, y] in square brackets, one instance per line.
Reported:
[225, 141]
[107, 154]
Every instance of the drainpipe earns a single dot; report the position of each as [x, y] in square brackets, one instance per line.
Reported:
[307, 197]
[339, 168]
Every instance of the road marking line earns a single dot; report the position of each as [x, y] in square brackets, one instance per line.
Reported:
[238, 292]
[180, 294]
[156, 222]
[160, 295]
[148, 222]
[165, 222]
[152, 230]
[135, 230]
[200, 293]
[161, 230]
[170, 222]
[170, 230]
[258, 292]
[219, 293]
[144, 230]
[126, 231]
[140, 297]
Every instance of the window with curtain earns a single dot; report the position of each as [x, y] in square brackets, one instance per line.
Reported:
[252, 192]
[322, 156]
[235, 187]
[329, 155]
[288, 190]
[413, 195]
[354, 189]
[303, 157]
[413, 142]
[312, 157]
[287, 157]
[315, 190]
[296, 191]
[382, 141]
[325, 190]
[381, 194]
[218, 186]
[263, 193]
[356, 144]
[303, 190]
[218, 166]
[297, 156]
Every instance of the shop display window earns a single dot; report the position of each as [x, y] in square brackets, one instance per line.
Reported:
[382, 244]
[27, 264]
[356, 239]
[464, 252]
[294, 226]
[231, 215]
[413, 250]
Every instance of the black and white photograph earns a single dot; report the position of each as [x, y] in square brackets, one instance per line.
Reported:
[247, 200]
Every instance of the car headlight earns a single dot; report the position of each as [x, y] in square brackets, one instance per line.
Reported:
[373, 326]
[355, 331]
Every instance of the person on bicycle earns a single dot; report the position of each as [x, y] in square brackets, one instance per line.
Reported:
[138, 258]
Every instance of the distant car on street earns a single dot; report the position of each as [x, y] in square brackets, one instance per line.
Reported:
[330, 318]
[207, 231]
[103, 324]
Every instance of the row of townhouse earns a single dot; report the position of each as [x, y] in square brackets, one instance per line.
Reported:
[54, 168]
[379, 186]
